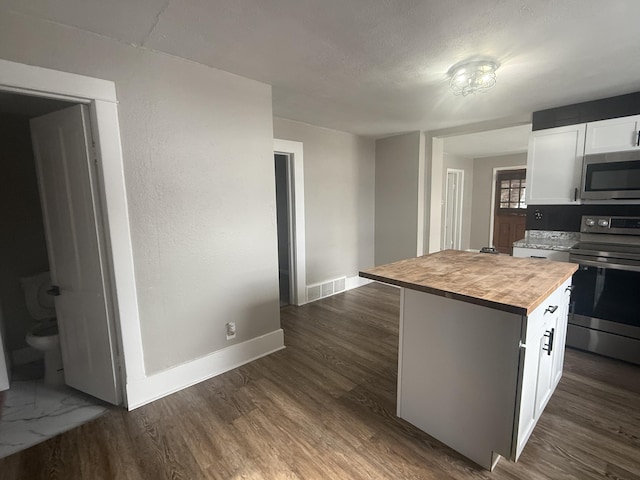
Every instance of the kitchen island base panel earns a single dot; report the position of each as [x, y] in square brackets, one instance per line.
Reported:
[458, 373]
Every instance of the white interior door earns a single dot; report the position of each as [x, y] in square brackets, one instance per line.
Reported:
[70, 204]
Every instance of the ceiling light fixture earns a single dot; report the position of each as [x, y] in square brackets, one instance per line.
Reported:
[472, 77]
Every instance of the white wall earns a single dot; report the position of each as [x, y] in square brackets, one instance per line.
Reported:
[396, 199]
[198, 163]
[339, 171]
[22, 240]
[482, 184]
[466, 165]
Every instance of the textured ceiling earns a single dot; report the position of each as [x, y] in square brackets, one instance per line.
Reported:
[379, 67]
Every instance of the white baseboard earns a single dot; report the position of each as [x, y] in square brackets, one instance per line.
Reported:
[355, 282]
[314, 292]
[154, 387]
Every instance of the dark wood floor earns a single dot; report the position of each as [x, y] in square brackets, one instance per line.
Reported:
[324, 408]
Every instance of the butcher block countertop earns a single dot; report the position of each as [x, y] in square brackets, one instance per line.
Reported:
[516, 285]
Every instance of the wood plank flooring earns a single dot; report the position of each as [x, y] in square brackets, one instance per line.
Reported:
[324, 408]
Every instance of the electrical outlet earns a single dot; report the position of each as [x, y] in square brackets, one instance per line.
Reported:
[231, 330]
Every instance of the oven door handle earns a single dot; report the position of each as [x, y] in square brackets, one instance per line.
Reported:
[605, 264]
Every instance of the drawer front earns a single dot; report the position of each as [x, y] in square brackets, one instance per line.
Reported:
[556, 255]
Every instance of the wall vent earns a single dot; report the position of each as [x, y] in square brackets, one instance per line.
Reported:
[326, 289]
[313, 293]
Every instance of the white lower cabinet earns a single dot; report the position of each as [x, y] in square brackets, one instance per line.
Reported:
[477, 378]
[543, 361]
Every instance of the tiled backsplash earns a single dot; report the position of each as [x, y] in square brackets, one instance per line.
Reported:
[567, 217]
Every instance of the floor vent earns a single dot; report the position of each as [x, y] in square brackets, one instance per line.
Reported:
[326, 289]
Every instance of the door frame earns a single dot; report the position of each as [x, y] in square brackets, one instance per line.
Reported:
[296, 217]
[100, 95]
[458, 213]
[493, 196]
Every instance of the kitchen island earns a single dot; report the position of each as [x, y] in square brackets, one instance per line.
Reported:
[481, 346]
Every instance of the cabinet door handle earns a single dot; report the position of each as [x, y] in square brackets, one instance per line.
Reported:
[638, 140]
[575, 194]
[551, 308]
[549, 346]
[535, 256]
[569, 288]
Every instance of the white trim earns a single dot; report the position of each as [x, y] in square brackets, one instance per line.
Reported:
[36, 81]
[436, 204]
[493, 196]
[356, 282]
[422, 195]
[5, 361]
[457, 243]
[400, 351]
[349, 284]
[294, 151]
[156, 386]
[43, 82]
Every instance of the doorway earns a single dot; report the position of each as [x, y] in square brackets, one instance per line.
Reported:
[282, 221]
[28, 417]
[53, 140]
[509, 208]
[453, 209]
[289, 155]
[120, 288]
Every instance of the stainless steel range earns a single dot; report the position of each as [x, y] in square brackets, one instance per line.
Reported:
[605, 302]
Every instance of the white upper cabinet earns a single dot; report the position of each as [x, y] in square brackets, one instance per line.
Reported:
[614, 135]
[554, 165]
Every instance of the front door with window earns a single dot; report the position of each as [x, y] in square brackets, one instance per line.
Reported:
[510, 212]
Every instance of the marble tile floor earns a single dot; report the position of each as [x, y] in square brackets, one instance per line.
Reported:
[34, 412]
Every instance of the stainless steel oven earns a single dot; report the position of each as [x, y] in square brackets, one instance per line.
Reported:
[605, 301]
[611, 176]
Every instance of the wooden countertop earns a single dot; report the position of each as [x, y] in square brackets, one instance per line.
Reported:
[516, 285]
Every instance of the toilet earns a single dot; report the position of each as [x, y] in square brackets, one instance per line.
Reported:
[43, 336]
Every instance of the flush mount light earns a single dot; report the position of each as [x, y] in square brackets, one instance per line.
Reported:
[472, 77]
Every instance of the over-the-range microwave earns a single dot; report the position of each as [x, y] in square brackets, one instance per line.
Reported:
[611, 176]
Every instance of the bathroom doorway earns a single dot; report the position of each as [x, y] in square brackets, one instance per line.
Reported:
[22, 240]
[33, 410]
[87, 339]
[23, 85]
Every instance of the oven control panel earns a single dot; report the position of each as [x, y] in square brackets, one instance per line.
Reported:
[615, 225]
